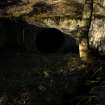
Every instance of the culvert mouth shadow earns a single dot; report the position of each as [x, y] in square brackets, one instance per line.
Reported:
[21, 36]
[49, 40]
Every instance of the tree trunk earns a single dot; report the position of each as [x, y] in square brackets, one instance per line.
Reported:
[83, 37]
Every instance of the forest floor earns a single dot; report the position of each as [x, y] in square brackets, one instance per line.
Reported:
[27, 78]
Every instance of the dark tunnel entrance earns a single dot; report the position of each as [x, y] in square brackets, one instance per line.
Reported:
[49, 40]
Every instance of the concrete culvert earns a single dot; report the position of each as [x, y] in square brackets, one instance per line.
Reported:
[49, 40]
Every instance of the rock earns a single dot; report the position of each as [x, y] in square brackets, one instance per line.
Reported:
[97, 35]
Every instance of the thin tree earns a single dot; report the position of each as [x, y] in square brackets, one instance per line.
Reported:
[83, 35]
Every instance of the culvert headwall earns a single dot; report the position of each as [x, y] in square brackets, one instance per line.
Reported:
[30, 37]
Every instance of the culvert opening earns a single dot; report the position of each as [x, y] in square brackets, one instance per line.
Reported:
[49, 40]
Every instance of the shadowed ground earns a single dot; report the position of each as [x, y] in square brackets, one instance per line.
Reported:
[37, 79]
